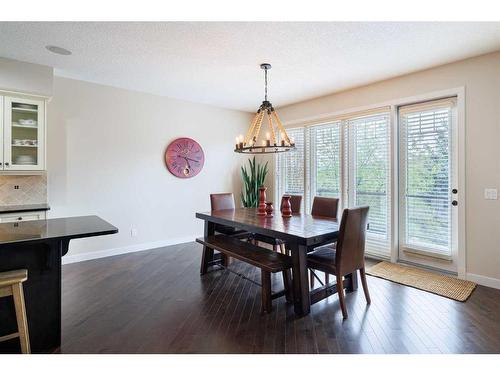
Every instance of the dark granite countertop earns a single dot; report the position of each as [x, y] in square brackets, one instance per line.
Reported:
[24, 208]
[66, 228]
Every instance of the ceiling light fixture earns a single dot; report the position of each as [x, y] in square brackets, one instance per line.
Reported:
[58, 50]
[269, 145]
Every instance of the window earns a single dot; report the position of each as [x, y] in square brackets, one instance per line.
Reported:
[325, 154]
[291, 168]
[360, 147]
[369, 176]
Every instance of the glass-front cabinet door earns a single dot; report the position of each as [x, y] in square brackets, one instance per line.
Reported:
[24, 134]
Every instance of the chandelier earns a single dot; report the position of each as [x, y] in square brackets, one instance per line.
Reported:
[251, 143]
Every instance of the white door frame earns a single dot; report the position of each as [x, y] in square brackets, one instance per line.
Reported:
[459, 138]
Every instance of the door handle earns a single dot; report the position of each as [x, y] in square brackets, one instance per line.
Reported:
[454, 203]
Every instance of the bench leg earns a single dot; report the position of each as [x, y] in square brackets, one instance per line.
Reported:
[287, 283]
[266, 291]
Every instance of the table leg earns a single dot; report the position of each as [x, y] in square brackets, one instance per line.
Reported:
[353, 285]
[302, 302]
[208, 253]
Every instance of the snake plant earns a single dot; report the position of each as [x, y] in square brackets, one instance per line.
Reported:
[252, 180]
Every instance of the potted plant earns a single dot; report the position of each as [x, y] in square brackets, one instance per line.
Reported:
[252, 180]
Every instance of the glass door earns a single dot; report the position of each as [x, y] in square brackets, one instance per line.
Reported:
[24, 131]
[428, 184]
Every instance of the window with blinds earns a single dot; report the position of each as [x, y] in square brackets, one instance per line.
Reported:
[368, 163]
[426, 176]
[325, 160]
[347, 159]
[291, 168]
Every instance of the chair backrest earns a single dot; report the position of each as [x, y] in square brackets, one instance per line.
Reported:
[350, 251]
[324, 206]
[295, 202]
[222, 201]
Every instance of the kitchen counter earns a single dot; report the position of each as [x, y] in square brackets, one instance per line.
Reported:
[39, 246]
[24, 208]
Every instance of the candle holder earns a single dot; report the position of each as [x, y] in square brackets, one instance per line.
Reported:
[261, 211]
[269, 209]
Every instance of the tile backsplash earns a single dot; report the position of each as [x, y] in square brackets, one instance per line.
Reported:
[15, 190]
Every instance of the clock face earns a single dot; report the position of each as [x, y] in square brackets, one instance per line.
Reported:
[184, 158]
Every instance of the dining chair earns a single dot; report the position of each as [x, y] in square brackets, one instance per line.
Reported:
[347, 255]
[295, 202]
[225, 201]
[326, 207]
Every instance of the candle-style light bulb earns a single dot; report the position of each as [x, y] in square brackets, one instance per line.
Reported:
[263, 143]
[268, 136]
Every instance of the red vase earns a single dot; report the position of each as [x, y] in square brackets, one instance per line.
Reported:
[261, 211]
[269, 209]
[286, 208]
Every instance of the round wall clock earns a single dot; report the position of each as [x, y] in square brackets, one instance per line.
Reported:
[184, 158]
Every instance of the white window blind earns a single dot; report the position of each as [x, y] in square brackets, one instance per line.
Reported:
[291, 168]
[325, 160]
[368, 166]
[426, 176]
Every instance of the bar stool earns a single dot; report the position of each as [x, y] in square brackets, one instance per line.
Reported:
[11, 284]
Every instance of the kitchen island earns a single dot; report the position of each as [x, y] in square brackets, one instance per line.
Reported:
[39, 246]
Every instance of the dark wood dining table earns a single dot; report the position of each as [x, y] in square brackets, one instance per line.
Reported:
[301, 233]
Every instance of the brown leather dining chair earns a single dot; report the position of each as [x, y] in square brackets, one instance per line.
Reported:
[326, 207]
[295, 202]
[347, 255]
[225, 201]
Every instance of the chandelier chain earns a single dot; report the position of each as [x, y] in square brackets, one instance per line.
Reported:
[265, 90]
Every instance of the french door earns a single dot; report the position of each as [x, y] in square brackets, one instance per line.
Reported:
[428, 195]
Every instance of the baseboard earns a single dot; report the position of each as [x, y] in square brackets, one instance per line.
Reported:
[484, 280]
[126, 249]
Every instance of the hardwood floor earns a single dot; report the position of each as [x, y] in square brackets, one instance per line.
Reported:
[156, 302]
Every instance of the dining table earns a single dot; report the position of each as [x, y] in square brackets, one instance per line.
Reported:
[301, 233]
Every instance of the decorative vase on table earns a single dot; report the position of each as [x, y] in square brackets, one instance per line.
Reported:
[269, 209]
[261, 211]
[286, 207]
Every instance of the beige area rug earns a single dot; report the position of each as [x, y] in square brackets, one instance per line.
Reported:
[441, 285]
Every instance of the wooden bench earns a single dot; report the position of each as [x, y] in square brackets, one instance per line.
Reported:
[268, 261]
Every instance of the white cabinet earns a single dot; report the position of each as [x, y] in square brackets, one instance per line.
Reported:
[22, 134]
[13, 217]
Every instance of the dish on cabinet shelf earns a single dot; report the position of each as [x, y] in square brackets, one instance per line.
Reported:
[24, 142]
[25, 160]
[27, 122]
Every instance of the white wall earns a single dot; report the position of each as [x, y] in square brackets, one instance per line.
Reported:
[481, 78]
[25, 77]
[106, 157]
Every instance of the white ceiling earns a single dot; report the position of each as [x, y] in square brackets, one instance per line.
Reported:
[217, 63]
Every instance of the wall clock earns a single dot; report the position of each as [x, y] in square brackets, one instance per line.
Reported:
[184, 158]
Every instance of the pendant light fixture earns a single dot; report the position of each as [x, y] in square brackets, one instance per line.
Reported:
[269, 144]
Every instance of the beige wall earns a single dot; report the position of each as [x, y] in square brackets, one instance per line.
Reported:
[106, 157]
[481, 78]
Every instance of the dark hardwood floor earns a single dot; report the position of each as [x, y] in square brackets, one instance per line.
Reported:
[156, 302]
